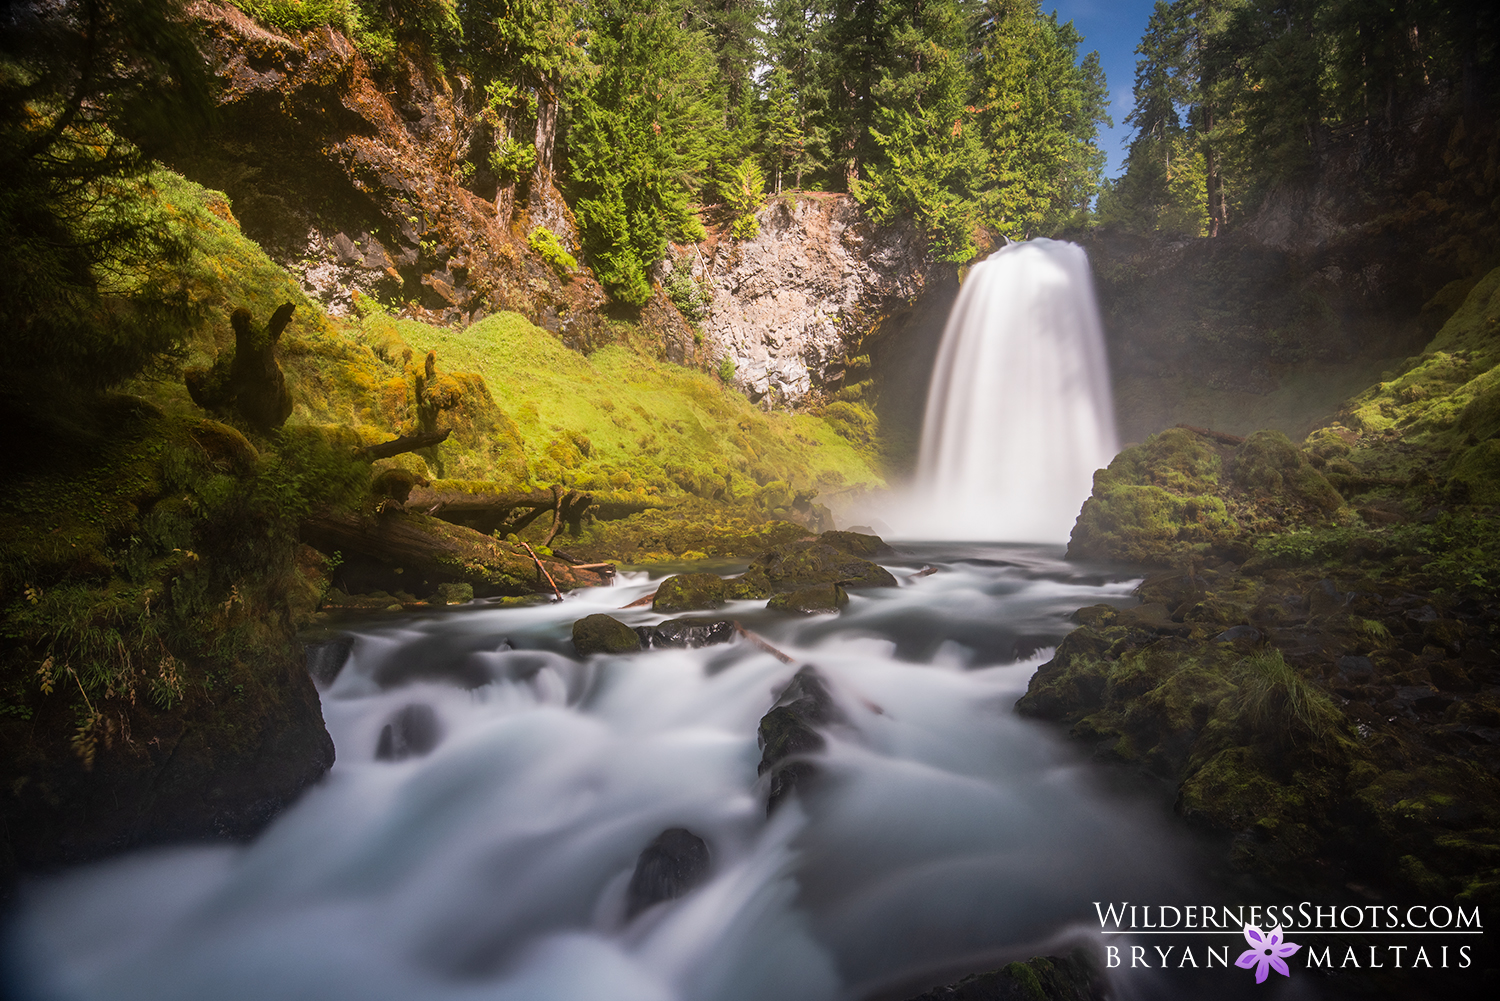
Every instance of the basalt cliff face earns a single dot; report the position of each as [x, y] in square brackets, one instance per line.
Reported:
[793, 305]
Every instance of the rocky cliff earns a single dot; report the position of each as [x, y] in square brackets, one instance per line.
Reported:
[792, 305]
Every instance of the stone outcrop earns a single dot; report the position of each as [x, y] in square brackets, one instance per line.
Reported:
[793, 303]
[356, 184]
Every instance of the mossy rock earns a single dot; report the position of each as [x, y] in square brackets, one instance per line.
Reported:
[795, 565]
[752, 585]
[857, 544]
[453, 594]
[1477, 471]
[603, 634]
[1269, 464]
[689, 592]
[810, 600]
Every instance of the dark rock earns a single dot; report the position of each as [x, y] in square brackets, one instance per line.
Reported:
[1094, 615]
[1425, 613]
[794, 565]
[669, 867]
[1050, 978]
[788, 733]
[411, 733]
[857, 544]
[1326, 597]
[689, 592]
[327, 658]
[1355, 670]
[1149, 616]
[811, 600]
[1239, 634]
[603, 634]
[686, 633]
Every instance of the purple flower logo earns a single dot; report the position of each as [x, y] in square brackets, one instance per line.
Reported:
[1266, 952]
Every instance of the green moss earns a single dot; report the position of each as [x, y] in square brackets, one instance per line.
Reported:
[810, 600]
[544, 242]
[689, 592]
[603, 634]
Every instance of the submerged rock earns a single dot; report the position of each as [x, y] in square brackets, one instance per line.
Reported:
[686, 633]
[327, 658]
[669, 867]
[788, 733]
[689, 592]
[603, 634]
[411, 733]
[811, 600]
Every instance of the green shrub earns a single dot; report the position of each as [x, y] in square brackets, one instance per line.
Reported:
[726, 369]
[300, 15]
[746, 194]
[545, 243]
[690, 296]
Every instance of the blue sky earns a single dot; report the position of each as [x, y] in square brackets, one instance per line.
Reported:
[1114, 28]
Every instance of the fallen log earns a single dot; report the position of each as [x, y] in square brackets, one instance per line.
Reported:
[505, 512]
[406, 443]
[401, 551]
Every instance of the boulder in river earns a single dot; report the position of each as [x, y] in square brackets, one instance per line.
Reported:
[794, 565]
[411, 733]
[669, 867]
[686, 633]
[689, 592]
[811, 600]
[788, 733]
[603, 634]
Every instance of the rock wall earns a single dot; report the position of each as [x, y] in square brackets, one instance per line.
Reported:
[359, 184]
[791, 305]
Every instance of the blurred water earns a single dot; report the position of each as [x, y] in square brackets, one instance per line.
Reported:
[1019, 411]
[947, 833]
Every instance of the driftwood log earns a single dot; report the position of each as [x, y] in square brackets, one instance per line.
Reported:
[400, 551]
[505, 511]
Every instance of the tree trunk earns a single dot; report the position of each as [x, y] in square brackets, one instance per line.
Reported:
[546, 129]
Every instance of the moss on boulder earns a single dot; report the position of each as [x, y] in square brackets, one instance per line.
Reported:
[689, 592]
[795, 565]
[810, 600]
[603, 634]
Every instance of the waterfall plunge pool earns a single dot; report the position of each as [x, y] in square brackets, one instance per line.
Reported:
[944, 835]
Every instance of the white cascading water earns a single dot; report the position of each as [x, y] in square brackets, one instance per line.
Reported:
[1019, 411]
[948, 835]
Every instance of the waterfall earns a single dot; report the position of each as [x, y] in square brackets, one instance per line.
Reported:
[1019, 413]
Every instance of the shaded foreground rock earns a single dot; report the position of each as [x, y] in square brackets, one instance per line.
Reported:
[788, 734]
[1041, 978]
[603, 634]
[670, 866]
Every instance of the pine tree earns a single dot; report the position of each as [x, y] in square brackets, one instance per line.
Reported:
[1039, 111]
[640, 141]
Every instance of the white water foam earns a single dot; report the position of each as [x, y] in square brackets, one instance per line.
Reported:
[496, 865]
[1019, 411]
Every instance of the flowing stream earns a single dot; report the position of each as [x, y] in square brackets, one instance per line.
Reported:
[945, 834]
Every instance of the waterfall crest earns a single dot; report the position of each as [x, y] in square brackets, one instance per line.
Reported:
[1019, 411]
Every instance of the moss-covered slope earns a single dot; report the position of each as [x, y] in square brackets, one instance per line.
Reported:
[1317, 665]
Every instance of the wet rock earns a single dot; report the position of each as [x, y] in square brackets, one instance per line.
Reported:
[411, 733]
[857, 544]
[327, 658]
[1153, 615]
[788, 733]
[686, 633]
[603, 634]
[1239, 634]
[811, 600]
[1041, 978]
[689, 592]
[669, 867]
[794, 565]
